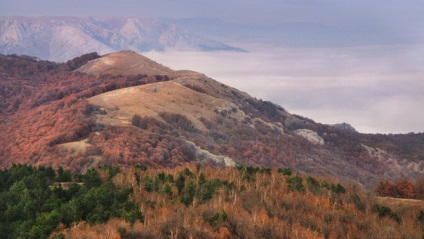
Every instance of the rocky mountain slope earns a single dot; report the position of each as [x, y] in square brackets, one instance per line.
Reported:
[125, 109]
[50, 37]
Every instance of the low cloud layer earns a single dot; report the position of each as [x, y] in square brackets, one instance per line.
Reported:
[376, 89]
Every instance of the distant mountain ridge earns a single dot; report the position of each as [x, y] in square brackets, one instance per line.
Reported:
[63, 38]
[290, 34]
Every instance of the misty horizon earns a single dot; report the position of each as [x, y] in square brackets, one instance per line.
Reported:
[355, 62]
[359, 86]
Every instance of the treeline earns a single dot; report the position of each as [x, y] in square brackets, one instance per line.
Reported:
[27, 65]
[251, 202]
[36, 201]
[401, 189]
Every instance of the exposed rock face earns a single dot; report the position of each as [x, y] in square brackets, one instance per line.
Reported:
[395, 163]
[310, 135]
[202, 154]
[345, 127]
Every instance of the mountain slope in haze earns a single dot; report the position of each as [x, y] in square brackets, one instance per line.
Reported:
[55, 114]
[50, 37]
[291, 34]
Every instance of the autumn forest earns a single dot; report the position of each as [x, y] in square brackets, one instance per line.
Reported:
[66, 174]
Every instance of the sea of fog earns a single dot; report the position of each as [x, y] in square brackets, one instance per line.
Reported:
[376, 89]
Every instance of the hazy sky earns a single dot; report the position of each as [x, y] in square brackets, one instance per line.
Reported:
[392, 17]
[327, 11]
[375, 88]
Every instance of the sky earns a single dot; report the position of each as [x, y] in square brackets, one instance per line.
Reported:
[396, 18]
[379, 12]
[374, 88]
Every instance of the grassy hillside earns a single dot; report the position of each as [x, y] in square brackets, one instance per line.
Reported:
[53, 114]
[43, 104]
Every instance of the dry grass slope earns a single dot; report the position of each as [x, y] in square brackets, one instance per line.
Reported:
[124, 63]
[204, 101]
[184, 116]
[150, 100]
[188, 93]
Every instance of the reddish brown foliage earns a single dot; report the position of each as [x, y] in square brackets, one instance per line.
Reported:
[42, 104]
[260, 208]
[401, 189]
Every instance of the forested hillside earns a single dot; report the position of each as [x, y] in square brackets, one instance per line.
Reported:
[201, 202]
[43, 104]
[195, 202]
[36, 201]
[191, 157]
[75, 116]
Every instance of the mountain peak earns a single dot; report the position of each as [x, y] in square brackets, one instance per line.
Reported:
[182, 117]
[126, 62]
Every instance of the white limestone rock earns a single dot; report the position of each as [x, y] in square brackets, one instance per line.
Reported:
[310, 135]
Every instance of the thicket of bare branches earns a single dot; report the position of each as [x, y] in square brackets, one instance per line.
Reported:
[252, 203]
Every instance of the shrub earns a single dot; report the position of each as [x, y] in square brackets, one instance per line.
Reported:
[178, 120]
[166, 189]
[139, 122]
[383, 211]
[189, 193]
[338, 188]
[313, 185]
[63, 175]
[295, 184]
[149, 184]
[218, 218]
[285, 171]
[91, 179]
[359, 204]
[420, 217]
[196, 88]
